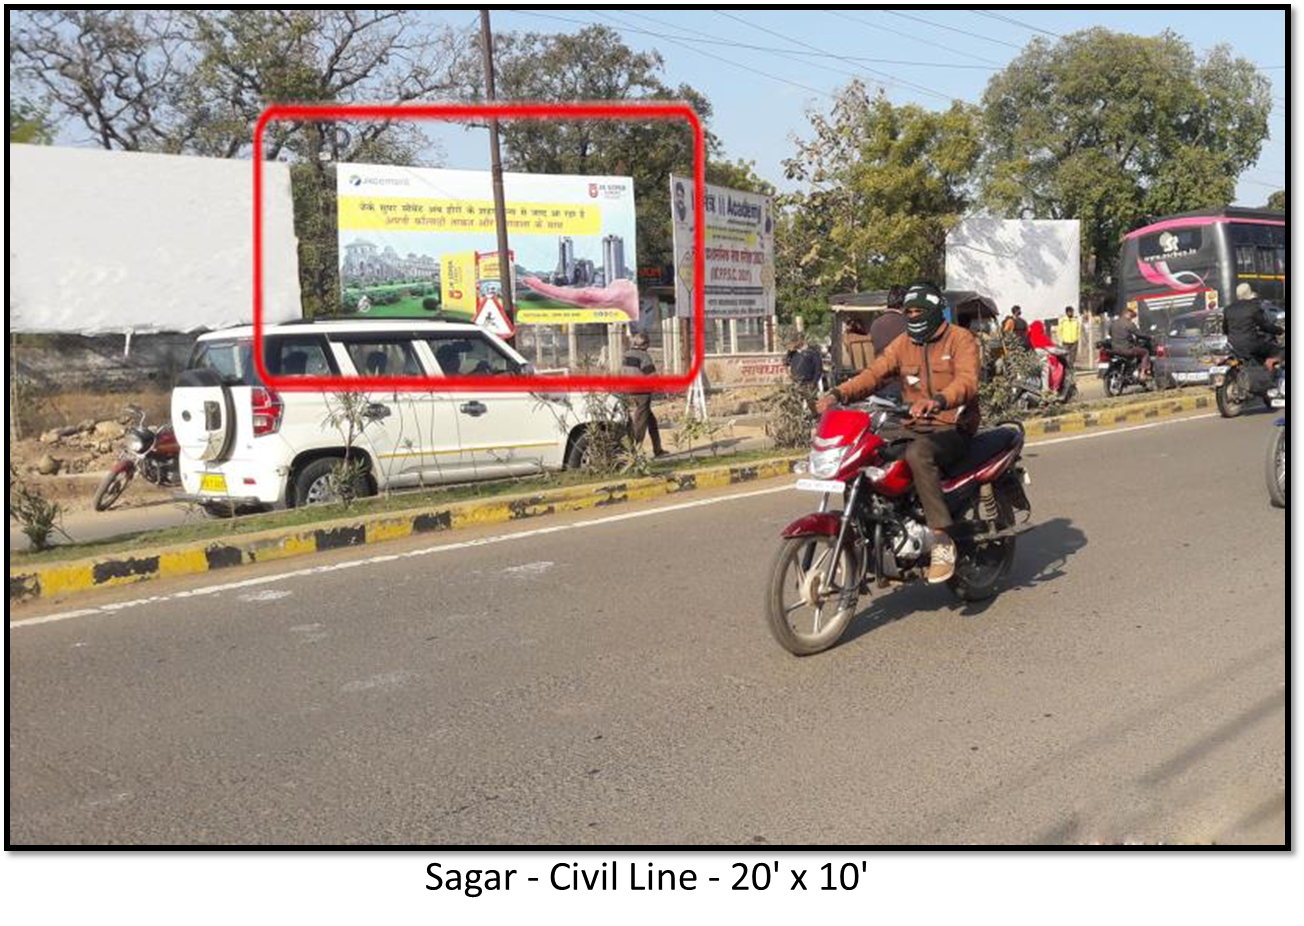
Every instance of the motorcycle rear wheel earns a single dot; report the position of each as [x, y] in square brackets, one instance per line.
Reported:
[797, 605]
[1230, 398]
[981, 567]
[1115, 383]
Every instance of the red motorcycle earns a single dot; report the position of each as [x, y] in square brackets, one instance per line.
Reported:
[149, 451]
[879, 538]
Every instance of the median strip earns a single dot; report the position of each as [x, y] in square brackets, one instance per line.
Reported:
[61, 579]
[32, 581]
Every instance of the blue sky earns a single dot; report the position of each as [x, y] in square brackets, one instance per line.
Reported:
[758, 110]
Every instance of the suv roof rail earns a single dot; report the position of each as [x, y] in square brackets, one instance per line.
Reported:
[428, 317]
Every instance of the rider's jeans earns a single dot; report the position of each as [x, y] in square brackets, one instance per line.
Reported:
[928, 454]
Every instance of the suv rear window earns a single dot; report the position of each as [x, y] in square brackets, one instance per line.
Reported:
[231, 360]
[284, 355]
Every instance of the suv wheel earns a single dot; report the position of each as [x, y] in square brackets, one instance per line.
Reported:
[318, 483]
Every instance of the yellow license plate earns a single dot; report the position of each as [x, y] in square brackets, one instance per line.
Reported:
[212, 482]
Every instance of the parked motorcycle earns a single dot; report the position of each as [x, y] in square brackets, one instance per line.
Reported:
[828, 559]
[150, 451]
[1237, 381]
[1275, 463]
[1121, 372]
[1029, 394]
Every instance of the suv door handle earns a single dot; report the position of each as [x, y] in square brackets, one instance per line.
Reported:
[474, 409]
[376, 411]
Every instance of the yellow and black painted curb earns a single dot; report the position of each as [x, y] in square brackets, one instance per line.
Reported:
[1131, 413]
[62, 579]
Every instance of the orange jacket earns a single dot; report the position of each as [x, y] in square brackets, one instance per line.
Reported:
[946, 366]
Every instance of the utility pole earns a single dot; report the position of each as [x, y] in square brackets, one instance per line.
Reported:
[505, 268]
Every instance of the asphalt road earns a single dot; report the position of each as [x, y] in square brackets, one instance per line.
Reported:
[614, 683]
[145, 507]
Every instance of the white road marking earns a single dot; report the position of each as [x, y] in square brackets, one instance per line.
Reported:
[525, 570]
[504, 538]
[383, 680]
[269, 594]
[387, 558]
[1113, 431]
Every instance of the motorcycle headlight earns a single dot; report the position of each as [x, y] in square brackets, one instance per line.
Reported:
[135, 443]
[824, 464]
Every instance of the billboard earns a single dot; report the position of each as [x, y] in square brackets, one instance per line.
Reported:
[104, 241]
[414, 241]
[739, 251]
[1032, 263]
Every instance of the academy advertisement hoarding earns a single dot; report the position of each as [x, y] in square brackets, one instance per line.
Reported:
[739, 251]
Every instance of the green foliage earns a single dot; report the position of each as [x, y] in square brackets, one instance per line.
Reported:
[1015, 365]
[789, 415]
[694, 429]
[37, 517]
[610, 448]
[1111, 128]
[1277, 200]
[595, 64]
[29, 124]
[882, 185]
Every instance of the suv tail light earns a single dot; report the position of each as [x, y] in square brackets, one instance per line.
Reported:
[267, 409]
[1161, 351]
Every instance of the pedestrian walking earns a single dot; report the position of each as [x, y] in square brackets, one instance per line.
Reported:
[638, 362]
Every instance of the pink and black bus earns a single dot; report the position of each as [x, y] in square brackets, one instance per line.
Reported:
[1194, 261]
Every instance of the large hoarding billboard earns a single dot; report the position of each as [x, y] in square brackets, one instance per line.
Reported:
[739, 251]
[414, 241]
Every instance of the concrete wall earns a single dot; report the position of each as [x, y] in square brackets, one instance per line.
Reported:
[52, 363]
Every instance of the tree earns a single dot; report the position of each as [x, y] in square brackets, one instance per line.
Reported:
[738, 175]
[196, 81]
[1111, 129]
[881, 186]
[1277, 200]
[29, 124]
[595, 64]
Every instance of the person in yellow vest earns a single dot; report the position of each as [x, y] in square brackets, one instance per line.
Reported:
[1069, 332]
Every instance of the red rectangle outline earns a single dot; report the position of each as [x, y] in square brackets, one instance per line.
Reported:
[457, 112]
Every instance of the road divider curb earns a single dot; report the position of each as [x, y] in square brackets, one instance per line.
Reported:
[1112, 416]
[62, 579]
[30, 582]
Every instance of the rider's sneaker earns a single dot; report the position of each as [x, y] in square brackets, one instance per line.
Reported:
[941, 565]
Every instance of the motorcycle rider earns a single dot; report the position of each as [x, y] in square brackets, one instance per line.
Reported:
[1251, 332]
[1123, 335]
[937, 363]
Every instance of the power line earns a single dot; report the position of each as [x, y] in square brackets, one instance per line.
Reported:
[914, 38]
[670, 38]
[887, 78]
[747, 46]
[972, 35]
[1015, 22]
[756, 71]
[787, 53]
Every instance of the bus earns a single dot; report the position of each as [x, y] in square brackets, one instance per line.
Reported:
[1194, 262]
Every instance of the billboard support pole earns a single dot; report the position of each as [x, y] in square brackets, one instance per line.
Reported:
[505, 267]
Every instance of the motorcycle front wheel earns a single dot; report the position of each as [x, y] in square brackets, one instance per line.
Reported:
[111, 488]
[805, 614]
[1275, 466]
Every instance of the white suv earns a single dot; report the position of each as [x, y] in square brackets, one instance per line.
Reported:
[244, 445]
